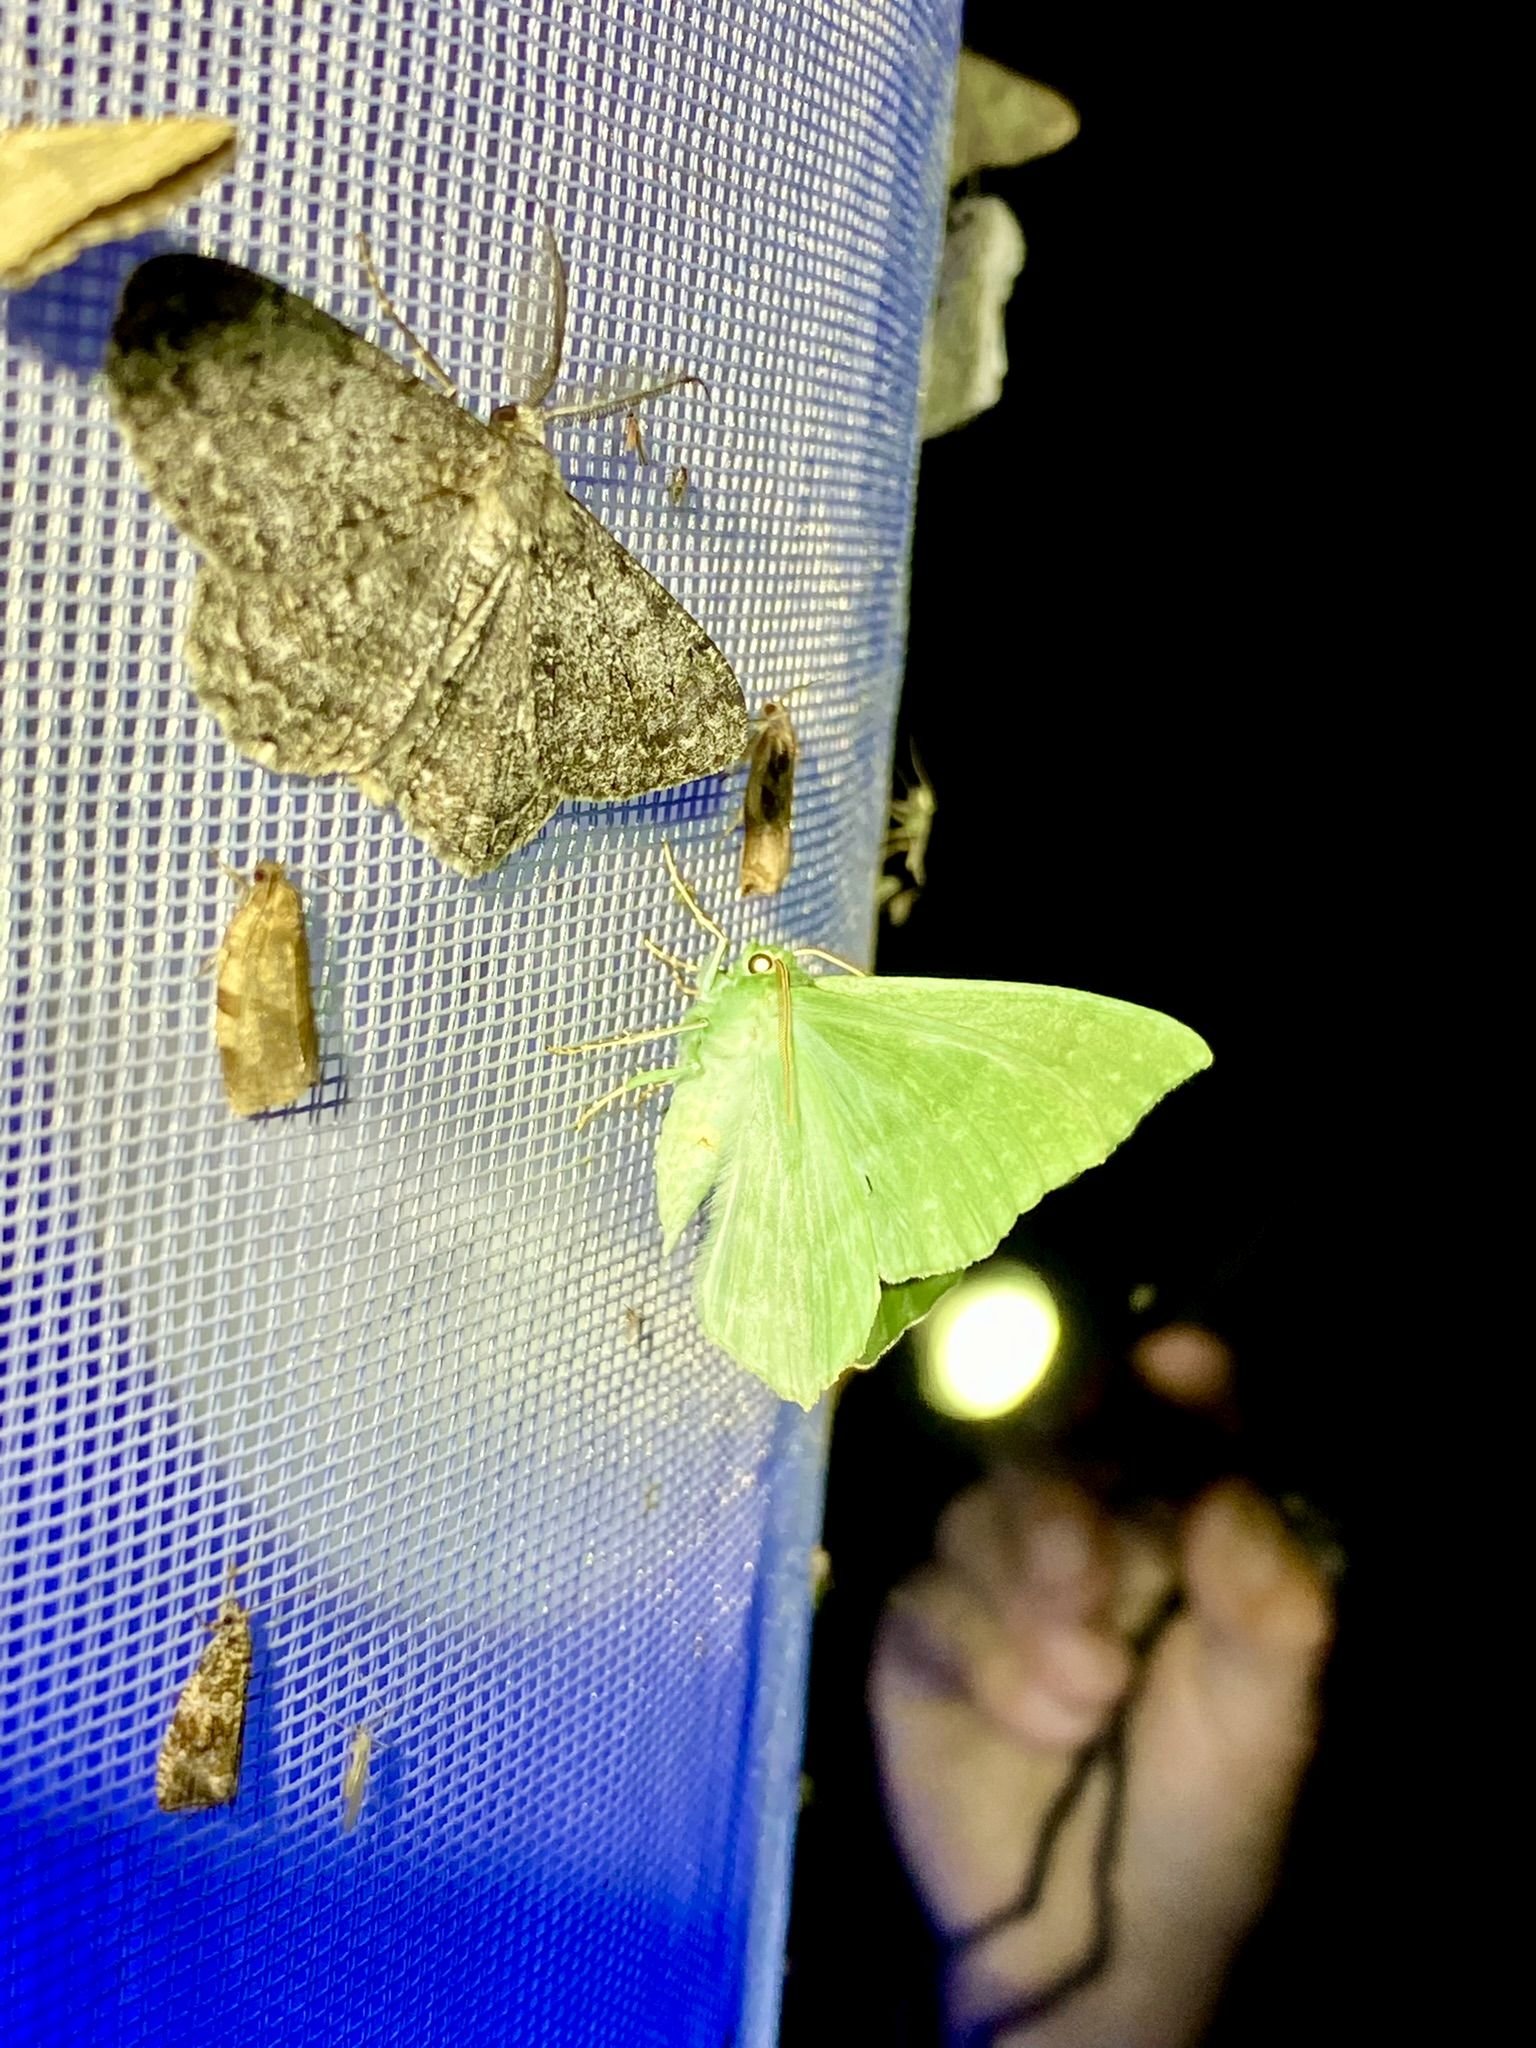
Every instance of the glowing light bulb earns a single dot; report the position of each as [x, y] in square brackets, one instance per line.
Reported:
[989, 1343]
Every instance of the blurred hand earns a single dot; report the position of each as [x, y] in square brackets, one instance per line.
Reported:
[1002, 1660]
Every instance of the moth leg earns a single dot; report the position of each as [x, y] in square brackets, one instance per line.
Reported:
[654, 1077]
[419, 349]
[596, 408]
[680, 969]
[690, 902]
[628, 1038]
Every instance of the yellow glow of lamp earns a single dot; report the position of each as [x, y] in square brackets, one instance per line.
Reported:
[989, 1343]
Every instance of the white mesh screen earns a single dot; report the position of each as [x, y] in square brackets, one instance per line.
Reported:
[376, 1348]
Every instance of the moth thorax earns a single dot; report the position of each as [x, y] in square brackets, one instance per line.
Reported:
[524, 421]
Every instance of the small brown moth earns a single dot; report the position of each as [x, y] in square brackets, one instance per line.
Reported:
[677, 485]
[66, 189]
[199, 1761]
[265, 1019]
[767, 848]
[354, 1777]
[634, 439]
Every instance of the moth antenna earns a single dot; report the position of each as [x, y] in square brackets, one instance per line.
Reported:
[680, 968]
[834, 959]
[691, 904]
[549, 370]
[231, 1573]
[786, 1035]
[210, 961]
[418, 347]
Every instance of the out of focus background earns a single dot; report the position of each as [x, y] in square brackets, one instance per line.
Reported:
[1114, 692]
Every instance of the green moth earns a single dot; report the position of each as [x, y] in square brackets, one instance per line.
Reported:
[859, 1141]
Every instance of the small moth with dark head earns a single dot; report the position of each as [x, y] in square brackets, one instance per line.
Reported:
[199, 1761]
[767, 846]
[265, 1019]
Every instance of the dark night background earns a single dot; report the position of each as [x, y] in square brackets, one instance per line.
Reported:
[1117, 686]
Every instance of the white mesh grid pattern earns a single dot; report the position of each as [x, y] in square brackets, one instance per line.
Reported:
[375, 1348]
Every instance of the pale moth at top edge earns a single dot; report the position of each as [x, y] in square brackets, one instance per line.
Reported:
[393, 590]
[70, 187]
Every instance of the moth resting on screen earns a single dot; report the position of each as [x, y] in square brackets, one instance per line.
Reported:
[860, 1141]
[767, 809]
[393, 590]
[264, 1020]
[199, 1761]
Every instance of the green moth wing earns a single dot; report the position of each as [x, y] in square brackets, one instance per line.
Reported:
[965, 1102]
[849, 1134]
[901, 1307]
[786, 1279]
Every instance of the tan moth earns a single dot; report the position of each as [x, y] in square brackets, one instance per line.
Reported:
[264, 1021]
[912, 815]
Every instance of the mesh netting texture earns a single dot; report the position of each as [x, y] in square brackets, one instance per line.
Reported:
[409, 1354]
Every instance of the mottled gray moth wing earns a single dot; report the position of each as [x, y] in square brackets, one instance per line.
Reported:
[429, 709]
[463, 767]
[394, 590]
[632, 693]
[280, 442]
[282, 665]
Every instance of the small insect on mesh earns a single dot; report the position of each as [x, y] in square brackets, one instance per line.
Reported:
[371, 1357]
